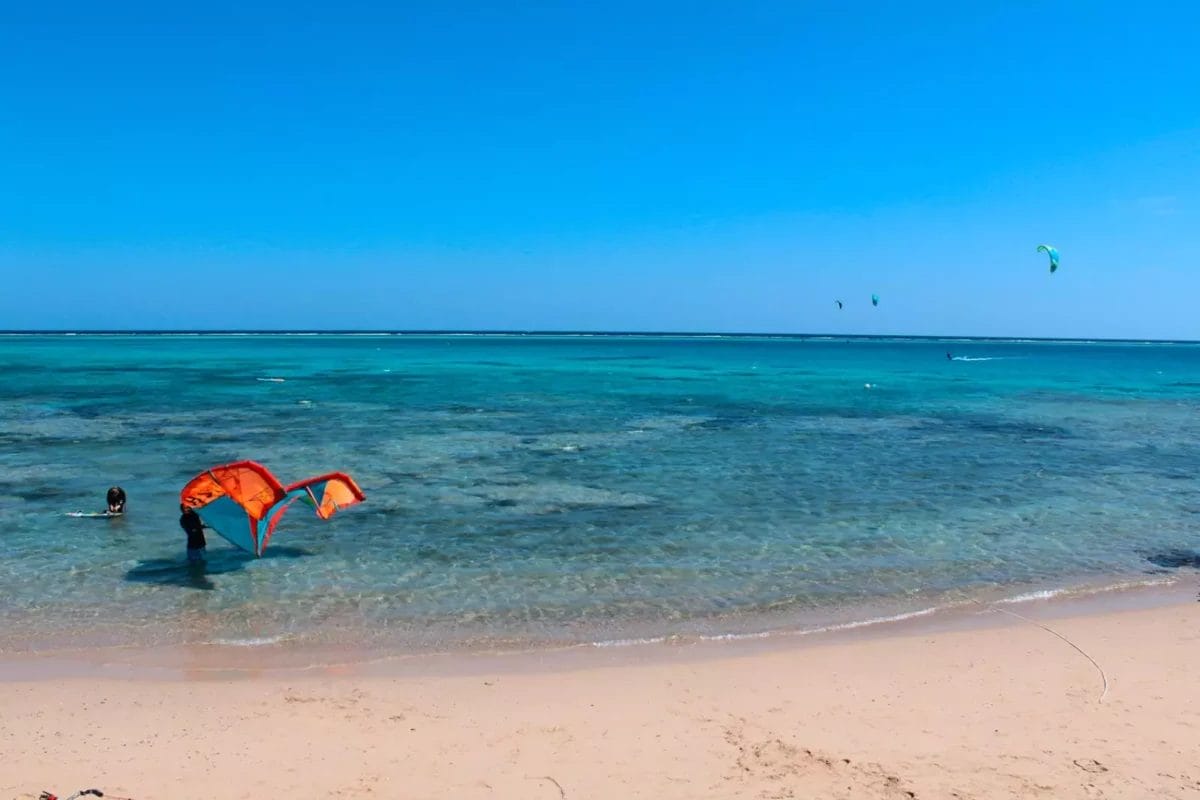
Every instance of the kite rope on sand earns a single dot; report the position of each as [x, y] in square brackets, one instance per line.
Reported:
[1080, 650]
[562, 793]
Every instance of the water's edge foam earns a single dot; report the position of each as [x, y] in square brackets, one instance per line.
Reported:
[282, 655]
[1061, 593]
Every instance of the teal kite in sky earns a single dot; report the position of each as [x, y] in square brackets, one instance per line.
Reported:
[1052, 252]
[874, 299]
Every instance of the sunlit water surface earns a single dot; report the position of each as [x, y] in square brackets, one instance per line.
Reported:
[576, 489]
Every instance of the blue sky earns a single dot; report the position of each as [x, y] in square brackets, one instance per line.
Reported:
[632, 166]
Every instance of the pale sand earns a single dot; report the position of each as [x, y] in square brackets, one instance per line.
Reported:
[1002, 711]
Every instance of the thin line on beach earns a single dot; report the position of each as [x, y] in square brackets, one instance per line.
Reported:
[1081, 651]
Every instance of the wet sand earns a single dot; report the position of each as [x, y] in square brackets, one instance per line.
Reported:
[1035, 700]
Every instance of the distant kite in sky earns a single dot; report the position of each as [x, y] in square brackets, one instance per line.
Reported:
[1052, 253]
[874, 299]
[839, 304]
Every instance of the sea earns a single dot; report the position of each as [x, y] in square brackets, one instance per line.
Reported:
[541, 490]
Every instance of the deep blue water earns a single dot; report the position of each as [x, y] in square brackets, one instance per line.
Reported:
[585, 488]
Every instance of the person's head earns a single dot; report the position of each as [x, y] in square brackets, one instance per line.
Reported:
[184, 508]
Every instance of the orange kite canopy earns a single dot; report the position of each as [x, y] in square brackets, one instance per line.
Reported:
[328, 493]
[248, 483]
[244, 502]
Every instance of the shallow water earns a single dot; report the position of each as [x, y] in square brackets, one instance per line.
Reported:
[584, 488]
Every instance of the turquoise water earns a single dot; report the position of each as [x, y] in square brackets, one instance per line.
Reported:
[536, 489]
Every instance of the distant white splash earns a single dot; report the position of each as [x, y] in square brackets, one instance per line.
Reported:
[271, 380]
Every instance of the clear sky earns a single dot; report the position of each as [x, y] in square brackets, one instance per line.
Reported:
[632, 166]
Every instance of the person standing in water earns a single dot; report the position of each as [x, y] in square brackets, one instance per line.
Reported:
[193, 526]
[116, 500]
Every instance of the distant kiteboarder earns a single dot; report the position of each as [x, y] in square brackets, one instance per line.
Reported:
[1052, 253]
[949, 357]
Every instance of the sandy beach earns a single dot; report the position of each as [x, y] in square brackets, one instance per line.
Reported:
[580, 401]
[1082, 705]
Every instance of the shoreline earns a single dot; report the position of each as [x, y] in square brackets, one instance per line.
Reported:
[281, 656]
[1066, 702]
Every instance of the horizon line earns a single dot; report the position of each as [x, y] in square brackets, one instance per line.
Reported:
[564, 333]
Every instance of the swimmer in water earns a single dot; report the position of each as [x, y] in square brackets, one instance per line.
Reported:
[116, 500]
